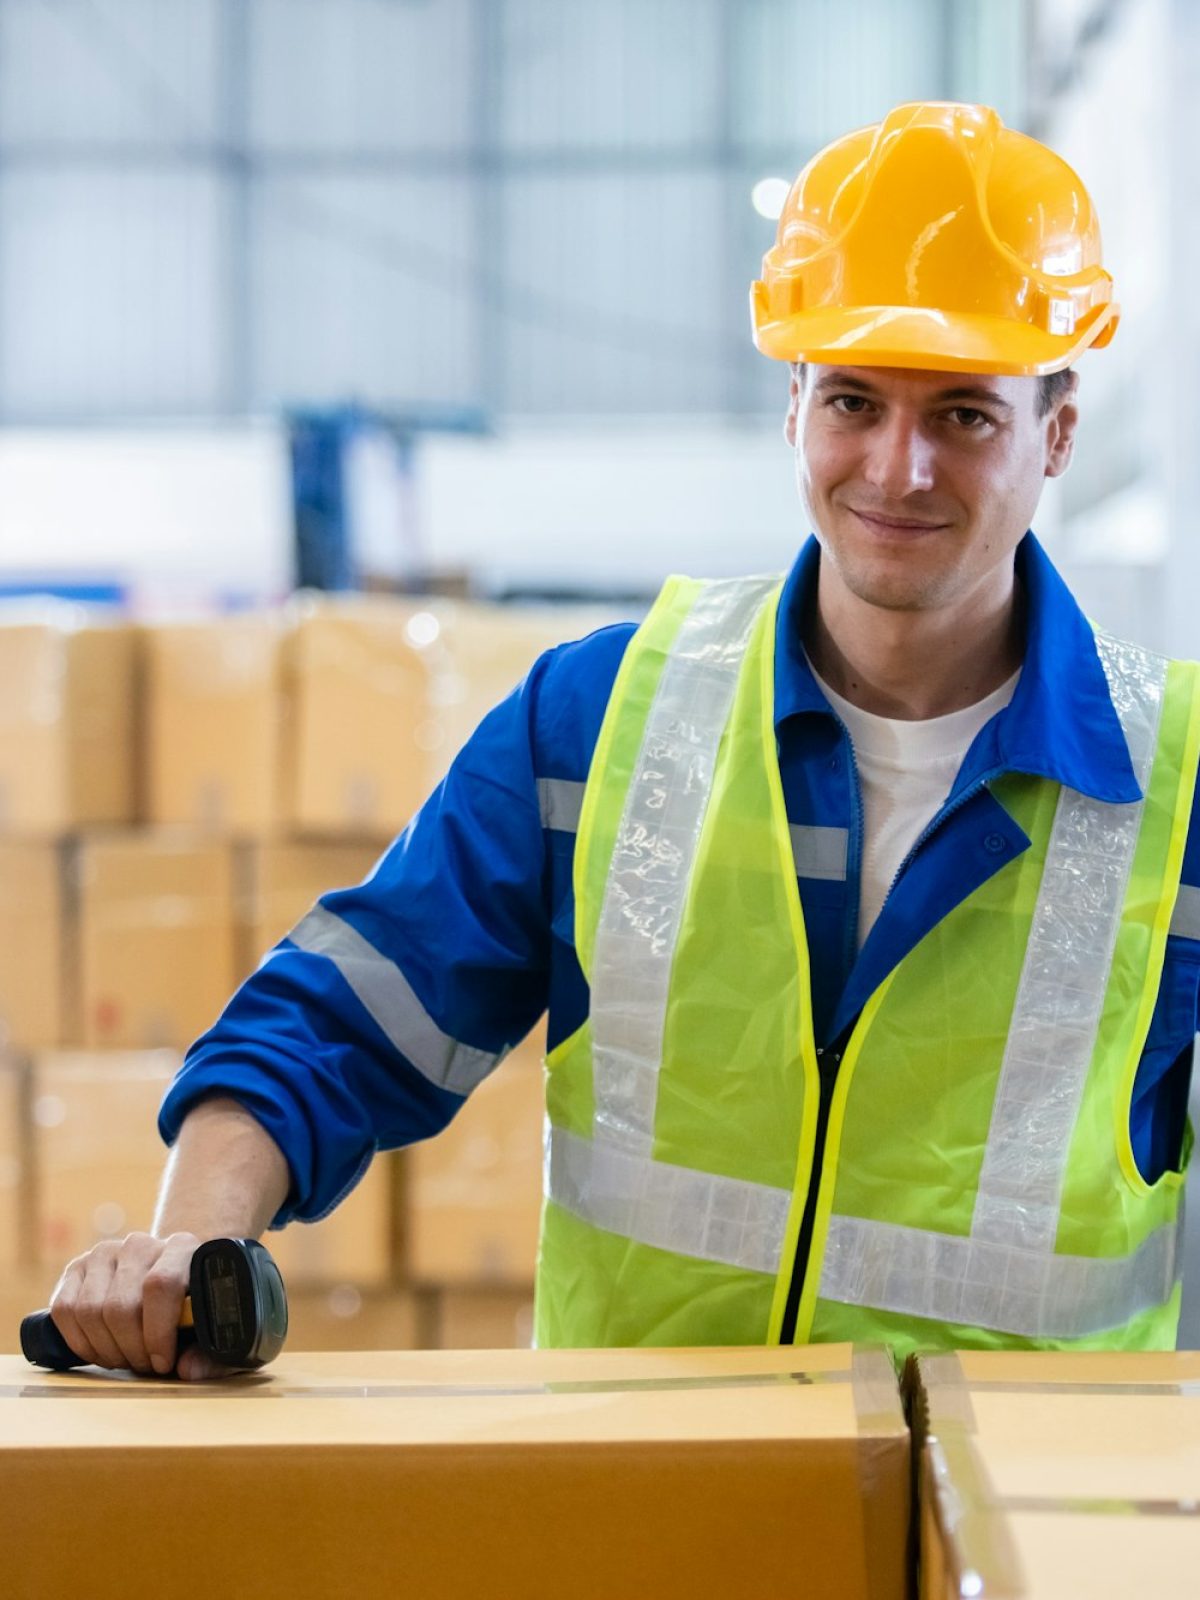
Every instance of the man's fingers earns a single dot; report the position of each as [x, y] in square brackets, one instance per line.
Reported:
[89, 1308]
[123, 1303]
[119, 1305]
[164, 1289]
[62, 1310]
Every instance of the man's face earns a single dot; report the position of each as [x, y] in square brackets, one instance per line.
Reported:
[920, 484]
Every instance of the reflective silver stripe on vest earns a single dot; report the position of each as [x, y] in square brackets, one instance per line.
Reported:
[672, 1208]
[560, 801]
[820, 852]
[654, 853]
[386, 994]
[978, 1284]
[1185, 919]
[1060, 997]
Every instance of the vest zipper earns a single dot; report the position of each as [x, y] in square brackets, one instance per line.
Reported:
[828, 1062]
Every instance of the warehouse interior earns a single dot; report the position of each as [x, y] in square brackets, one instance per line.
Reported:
[353, 354]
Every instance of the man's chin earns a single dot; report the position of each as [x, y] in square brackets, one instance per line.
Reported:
[891, 591]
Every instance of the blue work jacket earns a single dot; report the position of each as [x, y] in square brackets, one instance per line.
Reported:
[369, 1025]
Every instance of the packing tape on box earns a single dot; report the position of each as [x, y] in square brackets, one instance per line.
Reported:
[871, 1376]
[264, 1387]
[971, 1512]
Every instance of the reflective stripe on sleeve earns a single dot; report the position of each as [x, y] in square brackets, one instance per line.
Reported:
[560, 801]
[1185, 920]
[388, 997]
[970, 1281]
[700, 1214]
[820, 852]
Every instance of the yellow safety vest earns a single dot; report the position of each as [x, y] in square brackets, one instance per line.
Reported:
[970, 1180]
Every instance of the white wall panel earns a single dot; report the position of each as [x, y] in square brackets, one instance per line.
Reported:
[109, 293]
[177, 515]
[808, 70]
[364, 289]
[333, 74]
[141, 70]
[611, 507]
[618, 74]
[616, 298]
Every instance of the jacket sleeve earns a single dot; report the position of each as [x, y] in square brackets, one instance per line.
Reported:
[369, 1024]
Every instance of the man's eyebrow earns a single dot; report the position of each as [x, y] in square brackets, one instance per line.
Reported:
[970, 391]
[959, 392]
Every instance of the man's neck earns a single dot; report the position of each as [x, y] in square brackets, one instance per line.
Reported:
[914, 665]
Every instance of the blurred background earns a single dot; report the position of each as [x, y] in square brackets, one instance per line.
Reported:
[435, 311]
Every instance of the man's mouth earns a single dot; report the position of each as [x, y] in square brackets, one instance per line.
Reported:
[883, 523]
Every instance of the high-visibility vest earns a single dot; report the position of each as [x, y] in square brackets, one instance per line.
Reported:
[969, 1181]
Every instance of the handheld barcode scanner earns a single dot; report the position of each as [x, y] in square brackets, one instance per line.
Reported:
[236, 1311]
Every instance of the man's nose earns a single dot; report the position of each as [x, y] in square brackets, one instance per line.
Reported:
[900, 458]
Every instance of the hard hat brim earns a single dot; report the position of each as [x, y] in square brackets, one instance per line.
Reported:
[913, 336]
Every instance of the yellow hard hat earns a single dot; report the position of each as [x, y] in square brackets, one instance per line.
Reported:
[936, 238]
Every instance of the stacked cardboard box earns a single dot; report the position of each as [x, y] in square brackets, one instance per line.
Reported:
[66, 722]
[696, 1473]
[156, 951]
[1047, 1474]
[212, 756]
[174, 798]
[358, 740]
[33, 944]
[13, 1170]
[280, 880]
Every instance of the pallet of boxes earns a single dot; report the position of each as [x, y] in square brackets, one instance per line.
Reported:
[173, 798]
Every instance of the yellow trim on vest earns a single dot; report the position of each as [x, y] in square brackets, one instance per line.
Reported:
[1185, 798]
[808, 1045]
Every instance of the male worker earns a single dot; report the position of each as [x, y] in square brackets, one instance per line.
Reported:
[855, 901]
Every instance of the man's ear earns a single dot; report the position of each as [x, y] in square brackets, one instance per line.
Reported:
[791, 421]
[1060, 431]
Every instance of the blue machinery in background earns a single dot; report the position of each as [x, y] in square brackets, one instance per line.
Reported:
[320, 439]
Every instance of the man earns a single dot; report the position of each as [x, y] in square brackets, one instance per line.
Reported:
[855, 901]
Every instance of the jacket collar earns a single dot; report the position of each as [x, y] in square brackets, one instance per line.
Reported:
[1060, 723]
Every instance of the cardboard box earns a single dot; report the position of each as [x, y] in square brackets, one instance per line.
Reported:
[1046, 1475]
[281, 882]
[66, 721]
[32, 944]
[479, 1319]
[212, 745]
[98, 1162]
[481, 653]
[346, 1318]
[155, 939]
[13, 1173]
[352, 1246]
[97, 1158]
[358, 733]
[474, 1192]
[605, 1474]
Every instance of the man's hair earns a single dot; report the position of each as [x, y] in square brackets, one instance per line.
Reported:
[1050, 388]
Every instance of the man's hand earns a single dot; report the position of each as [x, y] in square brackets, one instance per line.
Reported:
[119, 1305]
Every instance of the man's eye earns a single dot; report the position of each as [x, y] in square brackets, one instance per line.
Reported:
[969, 417]
[850, 405]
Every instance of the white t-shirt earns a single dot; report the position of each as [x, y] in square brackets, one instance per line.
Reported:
[905, 771]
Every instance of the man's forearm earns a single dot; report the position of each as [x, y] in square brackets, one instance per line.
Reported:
[225, 1176]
